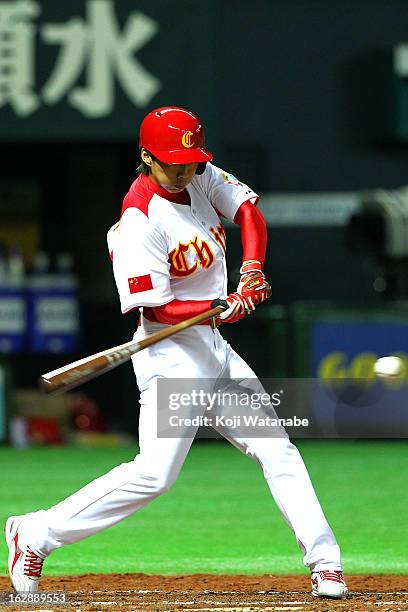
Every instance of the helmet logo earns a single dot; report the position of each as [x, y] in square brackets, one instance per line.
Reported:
[186, 140]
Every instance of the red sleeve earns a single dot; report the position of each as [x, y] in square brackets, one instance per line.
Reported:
[253, 232]
[179, 310]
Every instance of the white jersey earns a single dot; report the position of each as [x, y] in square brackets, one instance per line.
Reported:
[163, 250]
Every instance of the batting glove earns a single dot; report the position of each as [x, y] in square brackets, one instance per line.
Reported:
[236, 307]
[253, 284]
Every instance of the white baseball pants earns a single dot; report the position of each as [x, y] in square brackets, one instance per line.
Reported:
[198, 352]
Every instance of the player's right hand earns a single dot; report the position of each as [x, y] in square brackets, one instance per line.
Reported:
[236, 307]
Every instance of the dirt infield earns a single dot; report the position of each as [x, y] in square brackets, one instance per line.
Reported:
[203, 593]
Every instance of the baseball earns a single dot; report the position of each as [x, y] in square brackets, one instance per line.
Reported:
[389, 367]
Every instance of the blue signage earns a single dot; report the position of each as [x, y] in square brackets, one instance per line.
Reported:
[351, 401]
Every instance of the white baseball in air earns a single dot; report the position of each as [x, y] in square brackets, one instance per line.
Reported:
[389, 367]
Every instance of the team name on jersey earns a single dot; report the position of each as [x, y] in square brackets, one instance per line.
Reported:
[190, 256]
[197, 251]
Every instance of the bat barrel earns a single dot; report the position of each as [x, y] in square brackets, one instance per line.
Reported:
[79, 372]
[72, 378]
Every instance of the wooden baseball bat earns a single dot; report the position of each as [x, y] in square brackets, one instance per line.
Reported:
[78, 372]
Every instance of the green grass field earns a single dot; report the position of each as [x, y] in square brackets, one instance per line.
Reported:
[219, 517]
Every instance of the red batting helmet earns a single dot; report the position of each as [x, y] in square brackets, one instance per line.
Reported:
[174, 135]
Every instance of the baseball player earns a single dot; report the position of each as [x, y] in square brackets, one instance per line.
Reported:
[168, 255]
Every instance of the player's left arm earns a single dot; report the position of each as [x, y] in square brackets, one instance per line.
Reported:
[238, 203]
[253, 284]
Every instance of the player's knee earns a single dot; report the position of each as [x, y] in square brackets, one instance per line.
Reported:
[163, 485]
[150, 483]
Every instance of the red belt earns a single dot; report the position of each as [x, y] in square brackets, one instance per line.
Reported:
[148, 314]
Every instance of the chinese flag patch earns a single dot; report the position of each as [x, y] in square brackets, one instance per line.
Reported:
[140, 283]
